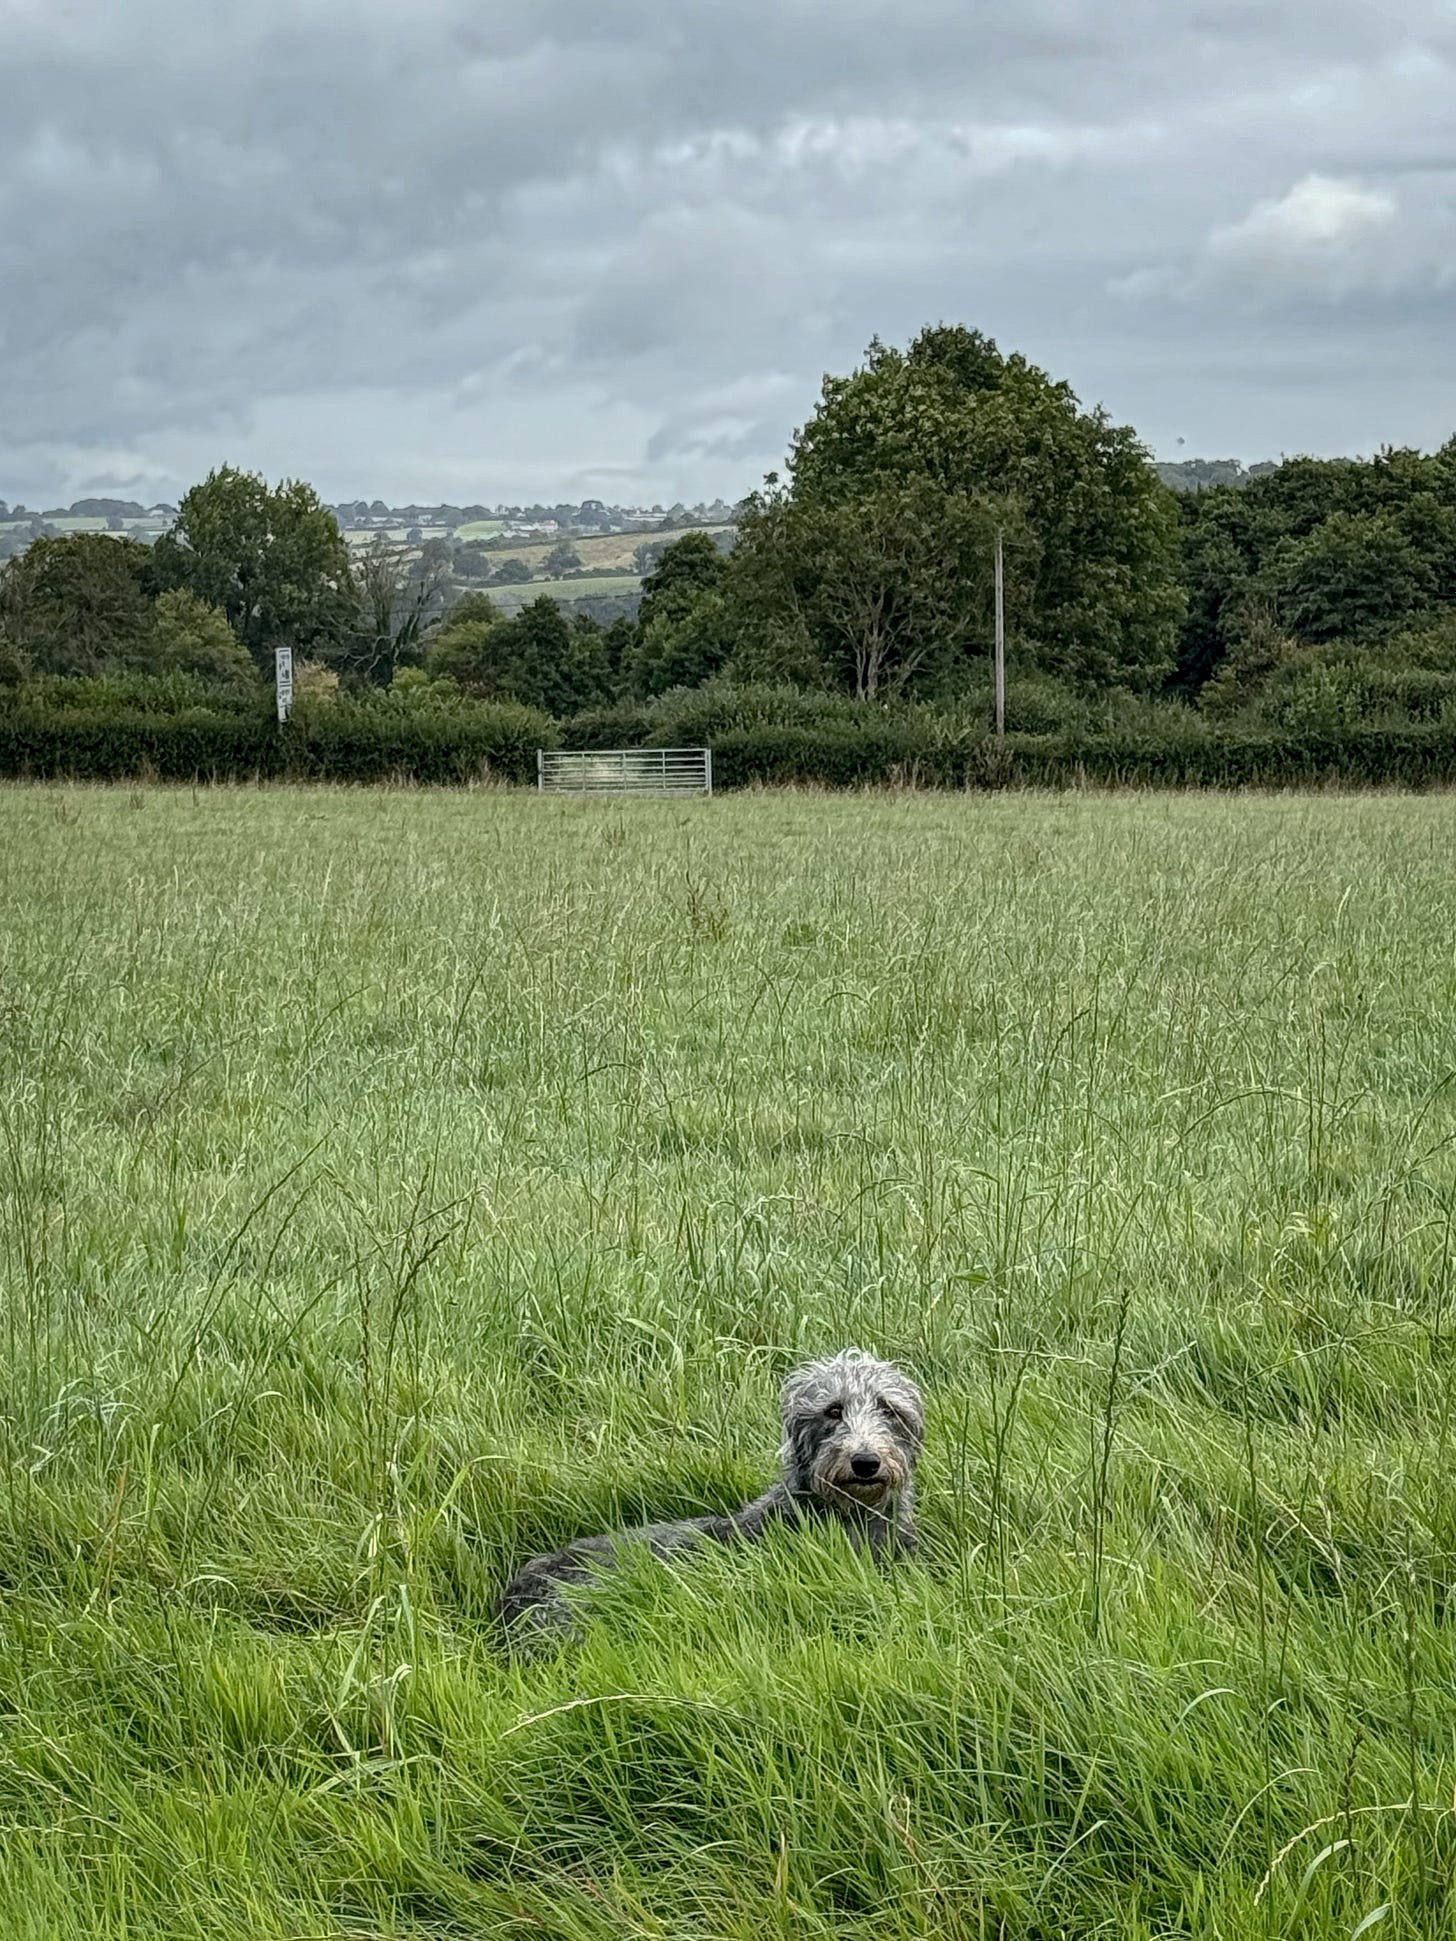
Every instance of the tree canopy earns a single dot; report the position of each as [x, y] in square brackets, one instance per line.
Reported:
[538, 658]
[685, 630]
[1003, 444]
[72, 604]
[1326, 549]
[272, 558]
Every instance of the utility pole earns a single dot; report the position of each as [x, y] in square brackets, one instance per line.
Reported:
[1000, 642]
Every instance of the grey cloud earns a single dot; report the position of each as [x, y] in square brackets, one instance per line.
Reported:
[383, 244]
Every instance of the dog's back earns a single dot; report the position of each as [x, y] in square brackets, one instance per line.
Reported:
[536, 1597]
[853, 1427]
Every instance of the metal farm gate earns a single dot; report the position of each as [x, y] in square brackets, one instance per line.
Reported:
[624, 771]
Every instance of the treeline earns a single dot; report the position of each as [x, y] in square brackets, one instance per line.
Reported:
[1293, 622]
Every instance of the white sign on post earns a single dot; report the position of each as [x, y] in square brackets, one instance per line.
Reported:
[283, 675]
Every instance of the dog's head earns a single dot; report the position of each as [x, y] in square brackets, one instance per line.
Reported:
[853, 1428]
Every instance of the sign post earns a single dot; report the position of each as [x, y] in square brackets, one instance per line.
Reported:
[283, 680]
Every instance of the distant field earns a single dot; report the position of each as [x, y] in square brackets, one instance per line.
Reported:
[612, 549]
[394, 1183]
[510, 599]
[144, 529]
[479, 529]
[362, 536]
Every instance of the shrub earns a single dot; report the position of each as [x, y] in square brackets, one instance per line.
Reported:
[186, 745]
[344, 741]
[190, 637]
[376, 736]
[429, 733]
[121, 692]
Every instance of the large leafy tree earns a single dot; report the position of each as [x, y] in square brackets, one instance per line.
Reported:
[271, 558]
[881, 594]
[75, 603]
[538, 657]
[1323, 549]
[1099, 597]
[684, 624]
[1355, 576]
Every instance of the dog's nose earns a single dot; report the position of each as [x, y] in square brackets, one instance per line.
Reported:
[866, 1466]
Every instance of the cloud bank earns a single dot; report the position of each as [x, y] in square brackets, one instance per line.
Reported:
[425, 252]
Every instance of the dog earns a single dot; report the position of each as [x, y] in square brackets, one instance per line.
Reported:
[853, 1431]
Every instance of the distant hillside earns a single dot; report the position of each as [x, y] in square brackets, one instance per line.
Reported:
[1197, 474]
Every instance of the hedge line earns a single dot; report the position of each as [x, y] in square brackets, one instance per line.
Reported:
[337, 744]
[1412, 757]
[363, 743]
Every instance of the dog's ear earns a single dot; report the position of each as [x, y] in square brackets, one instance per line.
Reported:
[794, 1393]
[902, 1395]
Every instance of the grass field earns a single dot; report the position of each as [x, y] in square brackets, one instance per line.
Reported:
[618, 549]
[395, 1183]
[510, 599]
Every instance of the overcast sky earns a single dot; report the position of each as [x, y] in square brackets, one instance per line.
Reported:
[433, 249]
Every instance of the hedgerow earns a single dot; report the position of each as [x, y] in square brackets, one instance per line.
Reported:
[759, 736]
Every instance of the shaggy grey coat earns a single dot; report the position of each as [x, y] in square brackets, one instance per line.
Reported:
[853, 1429]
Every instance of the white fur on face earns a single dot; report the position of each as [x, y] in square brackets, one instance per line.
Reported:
[851, 1404]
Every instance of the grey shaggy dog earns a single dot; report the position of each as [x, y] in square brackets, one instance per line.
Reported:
[853, 1429]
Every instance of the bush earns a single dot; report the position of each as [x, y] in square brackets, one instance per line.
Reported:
[93, 746]
[190, 637]
[624, 724]
[123, 692]
[1331, 690]
[838, 755]
[346, 741]
[1410, 757]
[428, 733]
[377, 737]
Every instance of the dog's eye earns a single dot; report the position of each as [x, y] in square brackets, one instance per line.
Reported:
[835, 1412]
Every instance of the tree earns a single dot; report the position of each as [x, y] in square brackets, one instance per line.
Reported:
[562, 558]
[1220, 555]
[471, 561]
[618, 641]
[1261, 651]
[553, 665]
[1355, 576]
[646, 556]
[537, 658]
[471, 609]
[72, 604]
[1096, 530]
[459, 650]
[272, 558]
[398, 601]
[685, 625]
[684, 570]
[883, 594]
[14, 664]
[189, 637]
[511, 572]
[1338, 549]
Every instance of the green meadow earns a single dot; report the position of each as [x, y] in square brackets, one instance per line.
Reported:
[511, 598]
[393, 1184]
